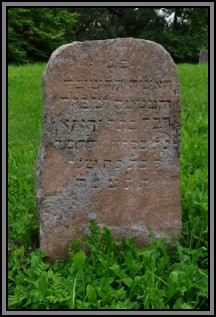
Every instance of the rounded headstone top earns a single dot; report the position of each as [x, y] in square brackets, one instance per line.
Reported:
[110, 144]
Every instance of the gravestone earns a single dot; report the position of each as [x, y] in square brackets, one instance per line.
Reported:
[203, 56]
[110, 143]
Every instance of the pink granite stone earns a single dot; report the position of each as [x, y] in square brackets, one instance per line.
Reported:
[110, 144]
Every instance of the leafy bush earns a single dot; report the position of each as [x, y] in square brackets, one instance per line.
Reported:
[34, 33]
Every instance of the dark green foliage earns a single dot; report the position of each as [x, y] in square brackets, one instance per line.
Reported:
[183, 38]
[34, 33]
[187, 35]
[103, 23]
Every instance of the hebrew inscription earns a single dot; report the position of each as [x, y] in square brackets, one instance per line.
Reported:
[110, 145]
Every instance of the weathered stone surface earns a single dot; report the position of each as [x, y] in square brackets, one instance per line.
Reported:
[203, 56]
[110, 144]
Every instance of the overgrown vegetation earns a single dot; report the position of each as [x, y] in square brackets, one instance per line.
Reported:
[110, 275]
[113, 276]
[33, 33]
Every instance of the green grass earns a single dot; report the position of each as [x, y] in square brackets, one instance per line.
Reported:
[100, 273]
[194, 153]
[24, 129]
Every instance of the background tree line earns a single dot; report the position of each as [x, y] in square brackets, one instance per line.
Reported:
[34, 33]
